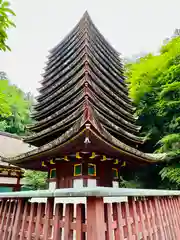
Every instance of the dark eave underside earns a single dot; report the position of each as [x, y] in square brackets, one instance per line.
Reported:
[73, 140]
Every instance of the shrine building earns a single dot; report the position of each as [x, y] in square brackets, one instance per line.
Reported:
[11, 177]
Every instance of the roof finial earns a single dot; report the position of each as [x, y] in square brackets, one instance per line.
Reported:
[86, 15]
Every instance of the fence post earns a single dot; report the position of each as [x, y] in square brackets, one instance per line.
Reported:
[17, 221]
[47, 228]
[95, 218]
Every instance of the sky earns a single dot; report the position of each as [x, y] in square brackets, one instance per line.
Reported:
[131, 26]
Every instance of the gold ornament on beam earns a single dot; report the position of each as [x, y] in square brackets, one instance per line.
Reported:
[123, 164]
[93, 155]
[78, 155]
[52, 162]
[116, 161]
[66, 158]
[43, 164]
[104, 158]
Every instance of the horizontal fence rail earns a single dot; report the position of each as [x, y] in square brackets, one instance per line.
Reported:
[147, 214]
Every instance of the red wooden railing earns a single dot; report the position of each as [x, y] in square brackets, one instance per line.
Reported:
[146, 215]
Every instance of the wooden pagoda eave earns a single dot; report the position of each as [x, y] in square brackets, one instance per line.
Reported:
[65, 90]
[103, 40]
[98, 143]
[66, 107]
[121, 133]
[119, 130]
[61, 63]
[119, 121]
[110, 65]
[42, 105]
[108, 69]
[50, 110]
[100, 118]
[116, 65]
[64, 52]
[36, 140]
[61, 99]
[57, 127]
[62, 125]
[56, 105]
[102, 96]
[61, 86]
[90, 33]
[113, 111]
[63, 70]
[67, 55]
[84, 20]
[116, 78]
[67, 46]
[66, 39]
[54, 118]
[113, 115]
[64, 78]
[95, 41]
[73, 80]
[98, 70]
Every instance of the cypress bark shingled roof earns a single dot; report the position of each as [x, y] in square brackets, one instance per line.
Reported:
[11, 145]
[94, 63]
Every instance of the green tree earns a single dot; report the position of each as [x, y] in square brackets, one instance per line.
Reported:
[15, 108]
[154, 84]
[5, 109]
[5, 23]
[35, 180]
[15, 105]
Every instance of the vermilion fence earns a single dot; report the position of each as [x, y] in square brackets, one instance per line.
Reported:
[147, 214]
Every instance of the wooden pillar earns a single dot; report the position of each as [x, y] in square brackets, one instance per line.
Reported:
[64, 174]
[17, 187]
[105, 174]
[95, 219]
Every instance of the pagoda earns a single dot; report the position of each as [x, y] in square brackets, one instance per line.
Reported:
[84, 132]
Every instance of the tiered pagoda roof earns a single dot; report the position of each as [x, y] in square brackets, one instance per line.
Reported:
[83, 103]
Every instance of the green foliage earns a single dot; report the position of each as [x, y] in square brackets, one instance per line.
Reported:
[15, 107]
[35, 180]
[5, 109]
[154, 82]
[5, 23]
[131, 184]
[170, 143]
[172, 173]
